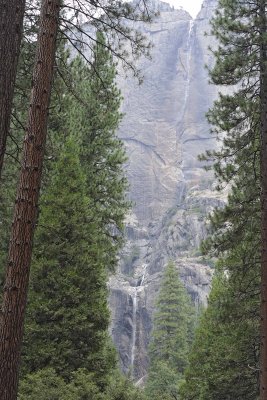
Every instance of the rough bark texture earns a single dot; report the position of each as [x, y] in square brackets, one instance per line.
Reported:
[11, 28]
[20, 251]
[263, 101]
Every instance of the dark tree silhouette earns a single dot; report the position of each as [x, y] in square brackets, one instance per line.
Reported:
[20, 250]
[11, 28]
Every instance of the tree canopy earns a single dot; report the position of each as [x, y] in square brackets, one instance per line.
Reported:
[171, 337]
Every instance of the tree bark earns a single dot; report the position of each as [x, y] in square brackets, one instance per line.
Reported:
[25, 212]
[11, 29]
[263, 112]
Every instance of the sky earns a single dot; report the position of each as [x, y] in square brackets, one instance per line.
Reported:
[192, 6]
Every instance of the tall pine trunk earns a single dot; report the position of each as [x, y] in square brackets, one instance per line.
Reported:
[25, 212]
[263, 111]
[11, 28]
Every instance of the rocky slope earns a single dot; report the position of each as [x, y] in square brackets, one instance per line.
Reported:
[164, 131]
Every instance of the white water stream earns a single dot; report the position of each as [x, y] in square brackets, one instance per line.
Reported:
[187, 68]
[136, 290]
[134, 299]
[188, 65]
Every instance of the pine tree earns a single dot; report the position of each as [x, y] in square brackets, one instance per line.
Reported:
[68, 314]
[225, 357]
[22, 232]
[20, 249]
[263, 164]
[11, 29]
[91, 118]
[11, 166]
[171, 335]
[46, 384]
[94, 122]
[224, 361]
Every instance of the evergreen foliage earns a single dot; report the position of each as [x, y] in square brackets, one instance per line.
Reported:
[224, 356]
[67, 312]
[47, 385]
[224, 363]
[94, 121]
[13, 150]
[171, 337]
[97, 245]
[15, 139]
[79, 230]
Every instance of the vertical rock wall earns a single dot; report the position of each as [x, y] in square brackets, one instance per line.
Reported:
[164, 130]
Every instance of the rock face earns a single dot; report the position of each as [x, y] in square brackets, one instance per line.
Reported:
[164, 131]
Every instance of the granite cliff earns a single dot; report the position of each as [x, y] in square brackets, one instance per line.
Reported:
[164, 131]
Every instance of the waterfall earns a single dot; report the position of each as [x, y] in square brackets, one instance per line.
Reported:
[136, 290]
[188, 64]
[134, 300]
[144, 275]
[187, 68]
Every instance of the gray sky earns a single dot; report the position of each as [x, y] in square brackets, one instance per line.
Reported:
[192, 6]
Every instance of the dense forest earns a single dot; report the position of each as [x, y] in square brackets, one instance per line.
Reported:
[64, 200]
